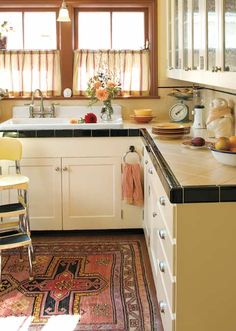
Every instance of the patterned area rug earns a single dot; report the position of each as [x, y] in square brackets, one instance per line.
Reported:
[77, 286]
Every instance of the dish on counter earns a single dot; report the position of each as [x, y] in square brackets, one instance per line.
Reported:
[188, 144]
[171, 126]
[142, 119]
[224, 157]
[165, 131]
[143, 112]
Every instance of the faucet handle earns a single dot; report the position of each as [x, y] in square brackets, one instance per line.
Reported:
[52, 107]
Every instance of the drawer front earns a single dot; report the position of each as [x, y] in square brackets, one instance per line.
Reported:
[167, 318]
[161, 266]
[161, 233]
[166, 208]
[163, 203]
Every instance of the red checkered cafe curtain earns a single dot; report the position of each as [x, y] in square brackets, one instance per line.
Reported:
[130, 67]
[21, 72]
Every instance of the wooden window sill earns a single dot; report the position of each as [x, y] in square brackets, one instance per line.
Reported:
[80, 98]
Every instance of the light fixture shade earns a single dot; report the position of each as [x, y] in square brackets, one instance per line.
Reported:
[63, 13]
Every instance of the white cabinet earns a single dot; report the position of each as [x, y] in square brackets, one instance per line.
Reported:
[75, 183]
[91, 193]
[159, 232]
[192, 249]
[201, 41]
[44, 192]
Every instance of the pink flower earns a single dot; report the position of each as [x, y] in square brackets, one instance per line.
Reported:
[90, 118]
[102, 94]
[111, 84]
[97, 84]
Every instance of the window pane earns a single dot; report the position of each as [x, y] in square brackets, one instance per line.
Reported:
[14, 35]
[127, 30]
[94, 30]
[40, 30]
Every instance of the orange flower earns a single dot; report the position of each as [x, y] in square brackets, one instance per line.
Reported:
[102, 94]
[111, 84]
[97, 84]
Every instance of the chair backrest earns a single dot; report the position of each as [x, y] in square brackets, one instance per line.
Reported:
[10, 149]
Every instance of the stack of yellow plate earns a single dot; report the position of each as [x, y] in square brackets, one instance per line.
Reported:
[170, 130]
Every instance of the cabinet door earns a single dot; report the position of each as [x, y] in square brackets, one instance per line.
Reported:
[202, 41]
[91, 193]
[230, 33]
[44, 192]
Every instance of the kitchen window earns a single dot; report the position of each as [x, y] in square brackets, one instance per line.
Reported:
[46, 42]
[119, 40]
[26, 30]
[29, 59]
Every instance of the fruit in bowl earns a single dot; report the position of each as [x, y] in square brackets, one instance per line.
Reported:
[224, 150]
[222, 144]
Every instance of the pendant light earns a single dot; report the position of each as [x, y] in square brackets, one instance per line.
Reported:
[63, 13]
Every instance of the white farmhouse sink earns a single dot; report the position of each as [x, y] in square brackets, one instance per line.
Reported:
[62, 120]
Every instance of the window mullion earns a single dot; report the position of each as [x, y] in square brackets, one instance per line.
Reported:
[23, 29]
[111, 42]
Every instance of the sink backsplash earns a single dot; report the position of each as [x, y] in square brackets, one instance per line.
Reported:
[68, 111]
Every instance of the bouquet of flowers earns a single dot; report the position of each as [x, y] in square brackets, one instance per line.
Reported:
[102, 87]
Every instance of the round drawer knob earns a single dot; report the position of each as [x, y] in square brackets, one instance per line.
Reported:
[162, 234]
[150, 171]
[65, 169]
[146, 162]
[162, 266]
[162, 201]
[57, 169]
[162, 306]
[154, 214]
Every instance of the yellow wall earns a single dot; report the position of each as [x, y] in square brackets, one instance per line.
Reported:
[160, 106]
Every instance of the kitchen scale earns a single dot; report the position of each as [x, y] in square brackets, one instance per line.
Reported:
[179, 112]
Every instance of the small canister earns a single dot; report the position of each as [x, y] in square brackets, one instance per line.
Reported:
[199, 117]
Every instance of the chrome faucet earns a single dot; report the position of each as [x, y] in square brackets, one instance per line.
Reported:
[41, 112]
[31, 108]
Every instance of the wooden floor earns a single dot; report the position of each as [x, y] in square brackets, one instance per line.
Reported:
[114, 235]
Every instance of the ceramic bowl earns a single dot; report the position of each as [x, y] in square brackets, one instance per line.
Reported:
[143, 112]
[142, 119]
[224, 157]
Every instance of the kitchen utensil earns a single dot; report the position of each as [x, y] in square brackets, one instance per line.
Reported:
[199, 117]
[179, 112]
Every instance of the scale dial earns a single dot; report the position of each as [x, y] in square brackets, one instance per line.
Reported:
[179, 112]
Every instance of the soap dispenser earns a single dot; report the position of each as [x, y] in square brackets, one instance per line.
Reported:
[199, 117]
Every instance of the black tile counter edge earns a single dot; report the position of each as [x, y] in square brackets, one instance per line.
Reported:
[71, 133]
[176, 192]
[171, 185]
[185, 194]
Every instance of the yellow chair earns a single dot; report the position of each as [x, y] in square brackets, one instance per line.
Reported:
[14, 234]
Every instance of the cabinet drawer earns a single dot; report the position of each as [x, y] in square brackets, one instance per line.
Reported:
[167, 317]
[163, 203]
[166, 208]
[161, 233]
[162, 268]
